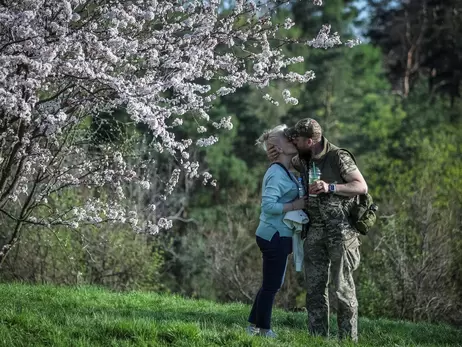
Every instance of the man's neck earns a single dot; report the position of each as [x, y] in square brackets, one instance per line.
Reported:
[318, 148]
[315, 152]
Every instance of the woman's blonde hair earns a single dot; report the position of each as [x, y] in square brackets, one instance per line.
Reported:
[271, 137]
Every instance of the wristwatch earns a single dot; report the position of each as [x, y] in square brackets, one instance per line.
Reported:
[332, 188]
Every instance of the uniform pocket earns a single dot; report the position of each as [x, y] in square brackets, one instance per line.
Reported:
[352, 254]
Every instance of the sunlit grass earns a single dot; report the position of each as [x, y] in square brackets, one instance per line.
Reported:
[89, 316]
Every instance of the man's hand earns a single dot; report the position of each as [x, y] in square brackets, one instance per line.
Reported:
[272, 153]
[318, 187]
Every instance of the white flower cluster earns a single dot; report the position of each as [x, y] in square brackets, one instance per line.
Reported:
[225, 123]
[177, 122]
[288, 23]
[295, 77]
[270, 99]
[204, 115]
[324, 39]
[173, 181]
[164, 223]
[207, 176]
[289, 99]
[293, 60]
[205, 142]
[353, 42]
[201, 129]
[96, 211]
[145, 184]
[151, 228]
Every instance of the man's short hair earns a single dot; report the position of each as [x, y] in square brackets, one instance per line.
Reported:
[306, 127]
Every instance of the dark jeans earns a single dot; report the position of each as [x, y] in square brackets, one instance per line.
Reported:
[275, 254]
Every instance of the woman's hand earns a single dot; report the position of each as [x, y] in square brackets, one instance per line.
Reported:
[300, 204]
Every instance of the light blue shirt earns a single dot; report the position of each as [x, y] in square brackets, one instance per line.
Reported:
[277, 190]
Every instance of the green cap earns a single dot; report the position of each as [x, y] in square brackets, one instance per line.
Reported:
[306, 127]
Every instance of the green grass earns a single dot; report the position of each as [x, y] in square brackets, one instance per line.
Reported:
[88, 316]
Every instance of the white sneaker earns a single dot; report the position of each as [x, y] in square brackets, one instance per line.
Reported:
[252, 331]
[270, 333]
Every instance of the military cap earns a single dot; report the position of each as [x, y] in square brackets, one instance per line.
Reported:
[306, 127]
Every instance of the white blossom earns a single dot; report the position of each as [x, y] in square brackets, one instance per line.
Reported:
[173, 181]
[206, 177]
[145, 185]
[203, 115]
[288, 23]
[353, 42]
[289, 99]
[177, 122]
[164, 223]
[201, 129]
[225, 123]
[152, 228]
[270, 99]
[324, 39]
[64, 65]
[205, 142]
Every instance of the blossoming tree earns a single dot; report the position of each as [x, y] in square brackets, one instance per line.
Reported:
[63, 63]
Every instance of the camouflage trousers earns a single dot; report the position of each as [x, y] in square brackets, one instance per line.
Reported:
[333, 259]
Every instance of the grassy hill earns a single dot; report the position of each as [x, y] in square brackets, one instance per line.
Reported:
[88, 316]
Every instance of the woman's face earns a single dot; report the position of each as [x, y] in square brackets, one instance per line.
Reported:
[287, 146]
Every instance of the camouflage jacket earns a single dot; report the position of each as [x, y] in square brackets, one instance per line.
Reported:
[329, 212]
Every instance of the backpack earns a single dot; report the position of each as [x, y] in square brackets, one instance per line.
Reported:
[363, 210]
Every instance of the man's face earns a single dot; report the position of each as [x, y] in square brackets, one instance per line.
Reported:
[304, 145]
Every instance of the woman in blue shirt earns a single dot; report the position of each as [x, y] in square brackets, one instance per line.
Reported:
[274, 238]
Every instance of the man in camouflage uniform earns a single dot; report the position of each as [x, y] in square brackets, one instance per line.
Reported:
[331, 247]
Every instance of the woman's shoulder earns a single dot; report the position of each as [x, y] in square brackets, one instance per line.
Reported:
[276, 171]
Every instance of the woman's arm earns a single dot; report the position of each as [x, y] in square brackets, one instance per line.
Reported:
[274, 188]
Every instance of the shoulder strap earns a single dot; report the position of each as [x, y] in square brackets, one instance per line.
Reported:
[332, 154]
[285, 169]
[345, 150]
[336, 151]
[357, 197]
[351, 154]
